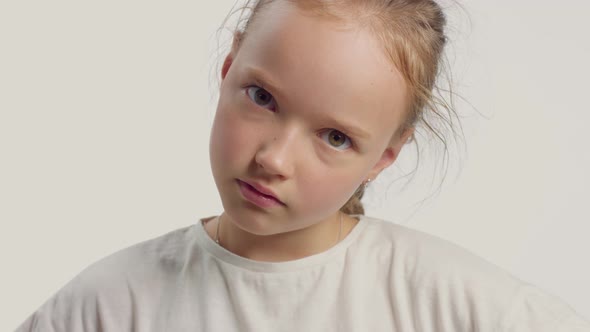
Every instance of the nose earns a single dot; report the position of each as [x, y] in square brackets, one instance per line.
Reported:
[275, 155]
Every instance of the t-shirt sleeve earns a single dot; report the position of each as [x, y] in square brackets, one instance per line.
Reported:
[72, 308]
[103, 297]
[535, 310]
[130, 290]
[114, 294]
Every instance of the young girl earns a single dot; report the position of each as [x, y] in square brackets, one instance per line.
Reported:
[317, 98]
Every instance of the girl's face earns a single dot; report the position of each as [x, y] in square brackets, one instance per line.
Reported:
[307, 109]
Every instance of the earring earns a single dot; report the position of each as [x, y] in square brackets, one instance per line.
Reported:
[366, 184]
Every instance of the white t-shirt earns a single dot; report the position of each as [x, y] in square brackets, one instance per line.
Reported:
[381, 277]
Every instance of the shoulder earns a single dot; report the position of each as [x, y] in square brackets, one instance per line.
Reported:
[426, 252]
[111, 290]
[446, 277]
[166, 250]
[431, 266]
[158, 256]
[147, 264]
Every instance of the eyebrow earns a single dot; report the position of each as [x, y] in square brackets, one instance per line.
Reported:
[267, 84]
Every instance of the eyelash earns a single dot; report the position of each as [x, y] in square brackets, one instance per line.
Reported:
[261, 87]
[347, 139]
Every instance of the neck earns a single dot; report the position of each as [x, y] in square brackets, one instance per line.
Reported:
[282, 246]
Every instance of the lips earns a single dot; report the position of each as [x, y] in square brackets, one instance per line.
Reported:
[260, 189]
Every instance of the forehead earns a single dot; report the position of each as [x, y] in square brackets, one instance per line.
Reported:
[323, 65]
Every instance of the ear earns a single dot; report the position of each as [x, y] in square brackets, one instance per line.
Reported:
[390, 154]
[229, 59]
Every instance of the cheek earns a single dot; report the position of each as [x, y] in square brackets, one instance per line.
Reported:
[327, 192]
[231, 140]
[223, 140]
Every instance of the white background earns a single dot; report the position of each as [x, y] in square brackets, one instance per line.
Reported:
[105, 110]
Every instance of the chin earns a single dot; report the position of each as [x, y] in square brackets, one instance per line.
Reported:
[250, 223]
[254, 220]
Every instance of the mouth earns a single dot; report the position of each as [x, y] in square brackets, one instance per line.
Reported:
[258, 195]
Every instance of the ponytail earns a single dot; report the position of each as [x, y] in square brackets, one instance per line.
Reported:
[354, 204]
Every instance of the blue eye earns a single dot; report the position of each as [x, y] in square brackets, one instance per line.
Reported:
[261, 97]
[336, 139]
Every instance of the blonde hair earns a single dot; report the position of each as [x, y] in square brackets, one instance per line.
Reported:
[412, 35]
